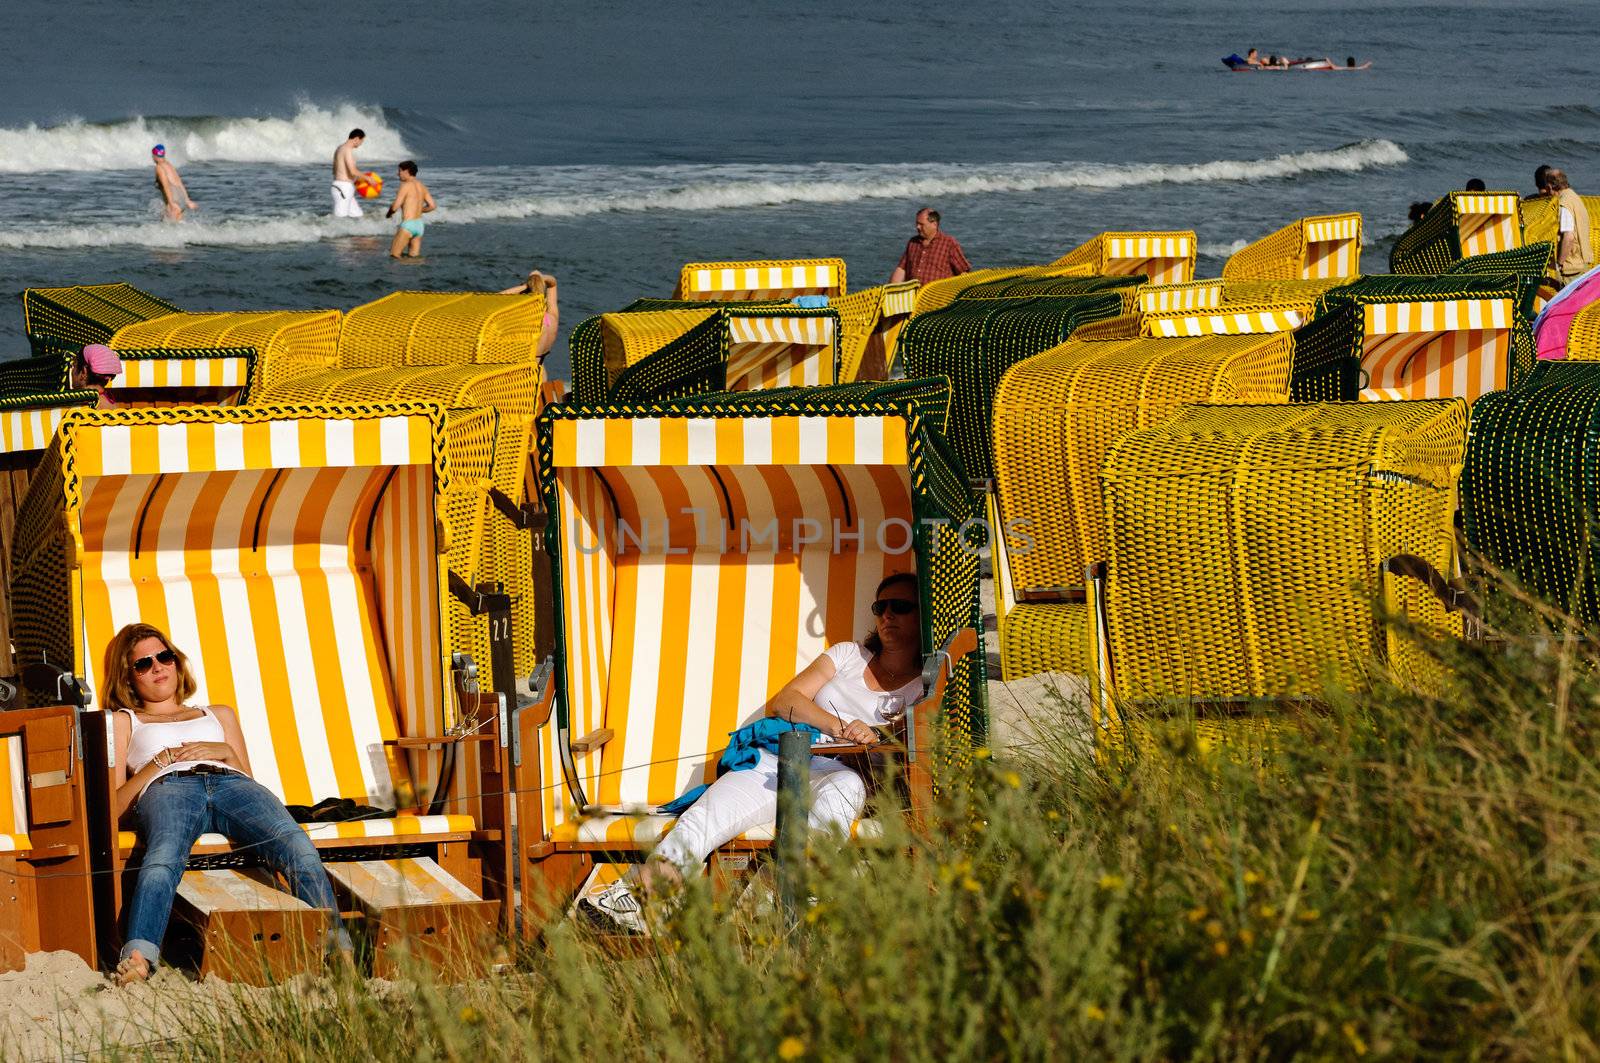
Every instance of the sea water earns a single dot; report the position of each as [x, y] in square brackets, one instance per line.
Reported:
[611, 143]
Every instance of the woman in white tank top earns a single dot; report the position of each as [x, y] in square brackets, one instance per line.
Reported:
[181, 772]
[845, 693]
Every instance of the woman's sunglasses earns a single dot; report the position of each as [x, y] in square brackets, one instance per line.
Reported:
[897, 606]
[142, 665]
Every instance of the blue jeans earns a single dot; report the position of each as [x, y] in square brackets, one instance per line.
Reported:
[176, 809]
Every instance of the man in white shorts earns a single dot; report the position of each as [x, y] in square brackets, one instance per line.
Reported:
[345, 202]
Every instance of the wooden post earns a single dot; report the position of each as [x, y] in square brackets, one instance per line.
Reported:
[794, 814]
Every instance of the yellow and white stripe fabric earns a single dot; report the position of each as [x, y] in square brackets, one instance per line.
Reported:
[1434, 350]
[182, 373]
[294, 559]
[13, 799]
[773, 533]
[1164, 257]
[766, 351]
[1193, 295]
[899, 299]
[25, 430]
[747, 281]
[1333, 246]
[1487, 222]
[1240, 321]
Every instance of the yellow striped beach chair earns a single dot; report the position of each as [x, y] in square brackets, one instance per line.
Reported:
[1460, 225]
[297, 554]
[775, 280]
[433, 329]
[285, 343]
[1540, 219]
[707, 549]
[1162, 257]
[1321, 247]
[870, 322]
[1055, 417]
[46, 889]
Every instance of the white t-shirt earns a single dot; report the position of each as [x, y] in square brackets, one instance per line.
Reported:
[847, 695]
[1568, 223]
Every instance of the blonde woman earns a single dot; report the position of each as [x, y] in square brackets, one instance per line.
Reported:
[182, 771]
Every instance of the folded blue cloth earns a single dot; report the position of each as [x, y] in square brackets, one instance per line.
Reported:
[810, 302]
[744, 749]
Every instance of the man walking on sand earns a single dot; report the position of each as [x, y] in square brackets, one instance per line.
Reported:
[1574, 252]
[412, 202]
[345, 203]
[930, 255]
[170, 185]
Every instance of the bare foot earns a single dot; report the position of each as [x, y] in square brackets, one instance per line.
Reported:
[133, 969]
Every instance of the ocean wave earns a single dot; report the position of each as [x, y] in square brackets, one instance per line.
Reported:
[308, 136]
[698, 189]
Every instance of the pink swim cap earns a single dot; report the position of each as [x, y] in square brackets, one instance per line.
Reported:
[102, 360]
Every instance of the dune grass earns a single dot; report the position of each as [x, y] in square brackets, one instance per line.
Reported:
[1396, 876]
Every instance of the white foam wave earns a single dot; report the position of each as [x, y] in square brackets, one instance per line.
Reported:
[1221, 250]
[309, 136]
[698, 189]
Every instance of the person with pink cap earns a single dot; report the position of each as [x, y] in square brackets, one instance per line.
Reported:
[169, 184]
[94, 369]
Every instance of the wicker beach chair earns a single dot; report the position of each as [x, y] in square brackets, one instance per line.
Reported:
[1541, 219]
[46, 899]
[1055, 417]
[936, 295]
[1460, 225]
[1389, 337]
[774, 280]
[1324, 247]
[1249, 547]
[296, 553]
[707, 550]
[1529, 494]
[870, 323]
[1160, 257]
[286, 343]
[1571, 330]
[68, 319]
[973, 342]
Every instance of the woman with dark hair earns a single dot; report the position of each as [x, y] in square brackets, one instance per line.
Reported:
[845, 693]
[182, 771]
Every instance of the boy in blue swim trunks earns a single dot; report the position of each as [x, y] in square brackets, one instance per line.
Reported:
[412, 201]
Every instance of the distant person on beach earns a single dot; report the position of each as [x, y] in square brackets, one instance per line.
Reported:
[1574, 253]
[170, 185]
[1252, 58]
[930, 255]
[542, 282]
[345, 202]
[1476, 185]
[94, 369]
[1418, 211]
[412, 201]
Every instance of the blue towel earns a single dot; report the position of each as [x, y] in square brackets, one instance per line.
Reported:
[810, 302]
[744, 749]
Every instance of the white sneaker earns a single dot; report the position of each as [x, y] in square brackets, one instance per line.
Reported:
[616, 909]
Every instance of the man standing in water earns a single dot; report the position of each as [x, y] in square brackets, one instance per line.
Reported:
[345, 203]
[412, 202]
[930, 255]
[170, 185]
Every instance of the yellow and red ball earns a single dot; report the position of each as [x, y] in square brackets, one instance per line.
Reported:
[369, 185]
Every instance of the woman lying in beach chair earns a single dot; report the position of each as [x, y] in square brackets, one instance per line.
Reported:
[183, 771]
[843, 695]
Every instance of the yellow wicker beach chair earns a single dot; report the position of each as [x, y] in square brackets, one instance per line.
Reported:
[707, 550]
[287, 343]
[1325, 246]
[46, 889]
[1583, 335]
[870, 321]
[299, 555]
[1056, 415]
[1540, 219]
[441, 328]
[1162, 257]
[1460, 225]
[1250, 549]
[761, 281]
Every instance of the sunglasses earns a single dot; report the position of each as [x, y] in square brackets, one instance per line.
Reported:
[141, 665]
[897, 606]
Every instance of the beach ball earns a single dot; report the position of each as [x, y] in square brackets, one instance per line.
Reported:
[369, 185]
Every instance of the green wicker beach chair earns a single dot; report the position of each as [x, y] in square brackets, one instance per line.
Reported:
[707, 549]
[972, 342]
[1530, 496]
[71, 318]
[1460, 225]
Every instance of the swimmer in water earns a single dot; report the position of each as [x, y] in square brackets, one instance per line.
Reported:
[170, 185]
[412, 201]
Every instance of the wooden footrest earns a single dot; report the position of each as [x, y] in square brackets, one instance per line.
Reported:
[12, 953]
[418, 911]
[248, 930]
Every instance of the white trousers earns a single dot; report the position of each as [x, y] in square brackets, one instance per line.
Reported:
[743, 800]
[345, 203]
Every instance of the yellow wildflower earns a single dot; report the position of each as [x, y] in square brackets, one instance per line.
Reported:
[1214, 928]
[1267, 911]
[971, 885]
[1251, 878]
[1111, 882]
[470, 1015]
[1093, 1014]
[1196, 914]
[1220, 948]
[1247, 937]
[1012, 779]
[1309, 915]
[791, 1048]
[1354, 1038]
[981, 753]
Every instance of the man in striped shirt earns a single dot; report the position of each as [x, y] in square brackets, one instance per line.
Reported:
[930, 255]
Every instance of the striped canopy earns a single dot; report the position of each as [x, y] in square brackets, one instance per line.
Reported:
[1460, 225]
[779, 279]
[708, 549]
[1317, 248]
[1161, 257]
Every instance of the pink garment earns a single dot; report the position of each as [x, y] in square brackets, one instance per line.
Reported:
[102, 360]
[1551, 328]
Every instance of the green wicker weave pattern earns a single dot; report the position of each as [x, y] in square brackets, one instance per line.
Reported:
[71, 318]
[972, 342]
[1530, 260]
